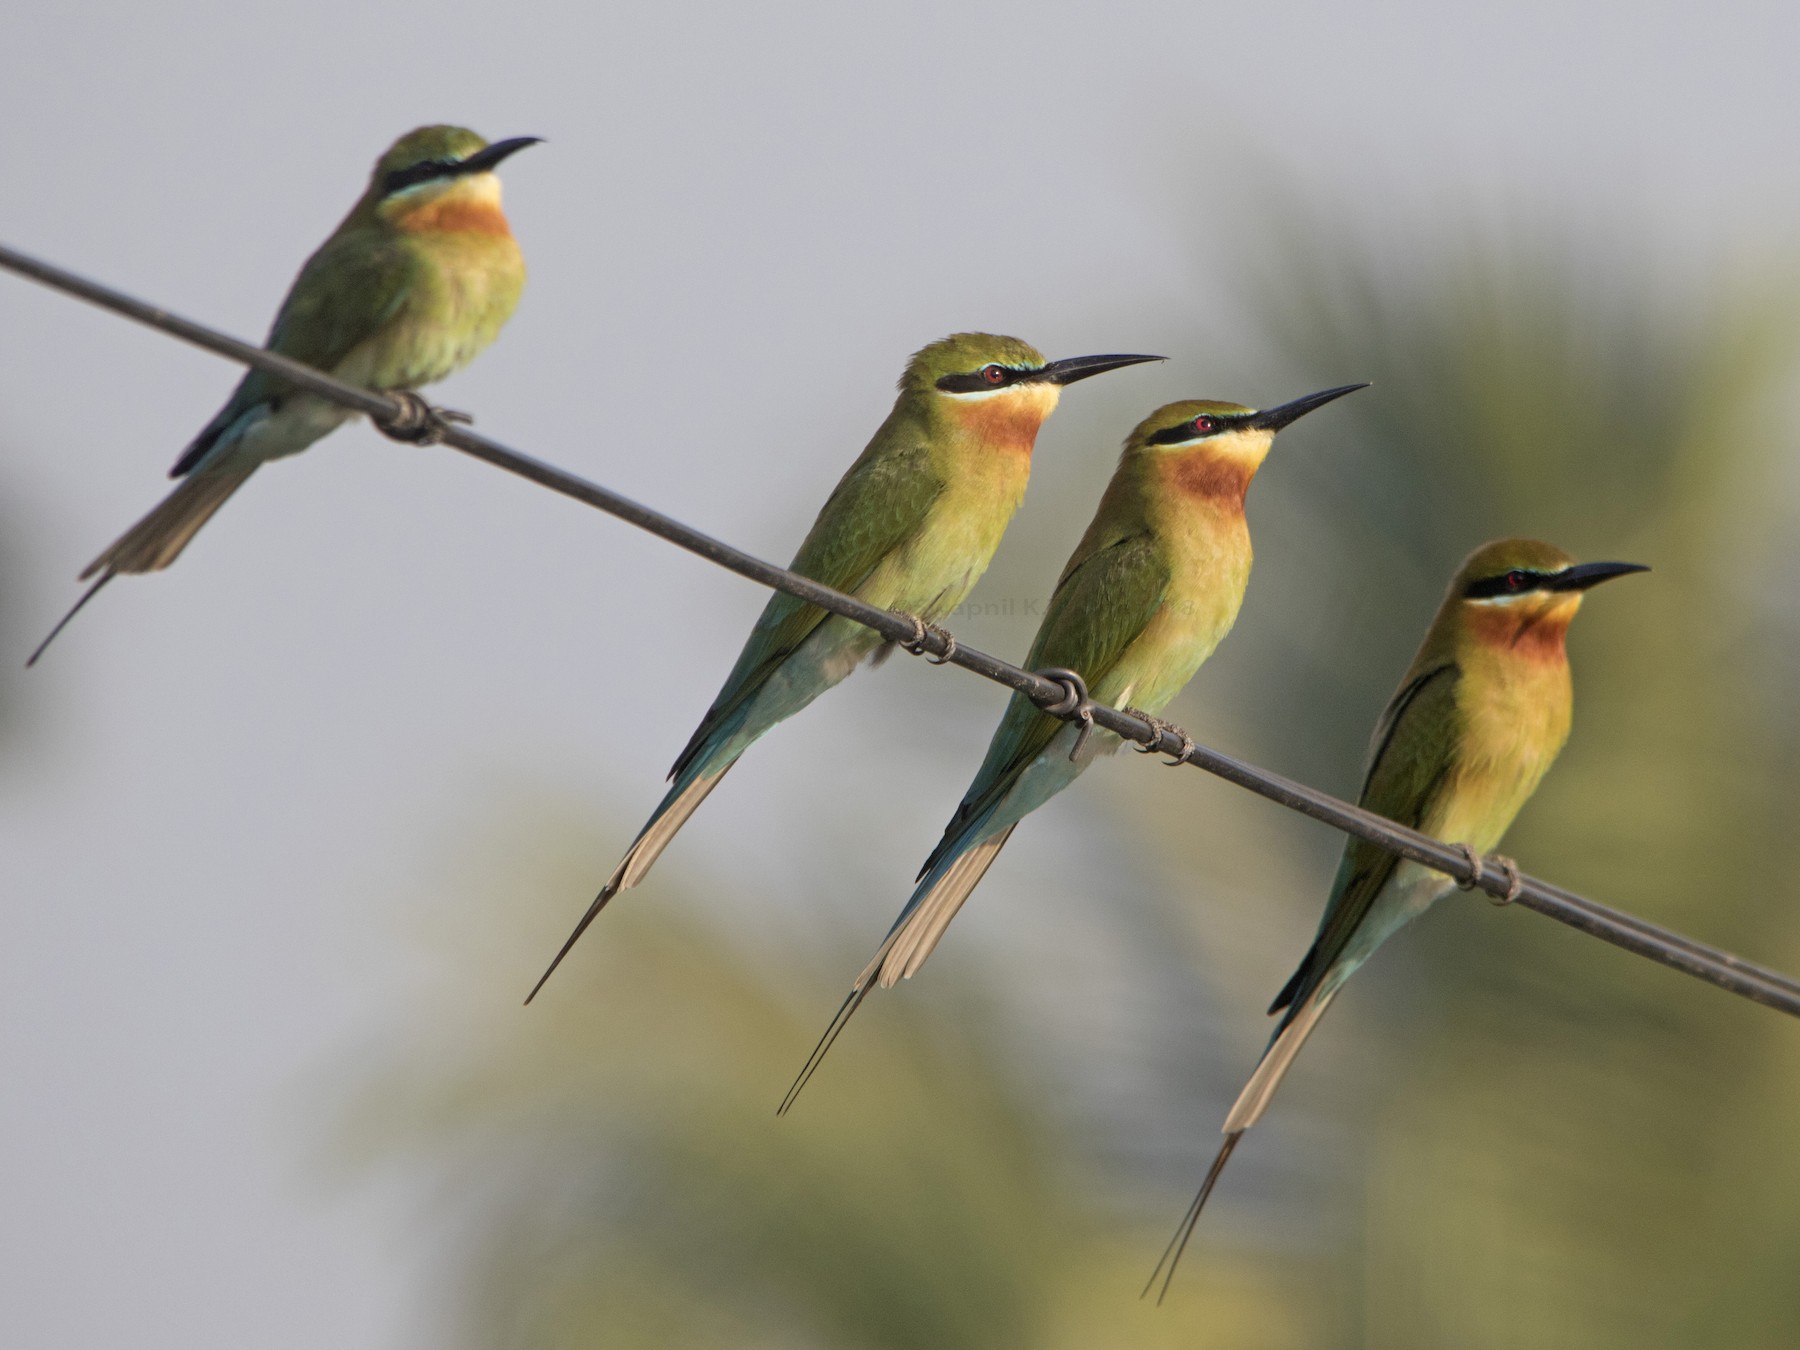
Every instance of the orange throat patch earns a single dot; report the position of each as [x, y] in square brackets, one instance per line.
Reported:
[449, 215]
[1010, 420]
[1211, 476]
[1535, 632]
[468, 205]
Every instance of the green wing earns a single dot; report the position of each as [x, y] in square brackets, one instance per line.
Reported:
[1411, 758]
[348, 291]
[1100, 606]
[883, 501]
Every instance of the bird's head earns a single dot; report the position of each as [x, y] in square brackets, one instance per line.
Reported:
[1522, 593]
[441, 177]
[1213, 449]
[1000, 388]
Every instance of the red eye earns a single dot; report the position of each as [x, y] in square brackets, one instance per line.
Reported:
[1515, 581]
[1204, 423]
[993, 374]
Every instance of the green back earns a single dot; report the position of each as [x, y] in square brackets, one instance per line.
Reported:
[1107, 595]
[1413, 751]
[881, 502]
[356, 282]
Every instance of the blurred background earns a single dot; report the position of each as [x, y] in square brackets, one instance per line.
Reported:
[287, 832]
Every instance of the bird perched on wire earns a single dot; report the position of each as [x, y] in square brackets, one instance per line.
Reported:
[1153, 586]
[911, 526]
[1478, 719]
[418, 278]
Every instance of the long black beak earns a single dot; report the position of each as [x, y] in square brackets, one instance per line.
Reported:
[1073, 368]
[483, 160]
[1583, 575]
[1274, 419]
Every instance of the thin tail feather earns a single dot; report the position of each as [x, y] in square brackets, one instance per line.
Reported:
[834, 1029]
[864, 986]
[63, 622]
[644, 851]
[1245, 1112]
[1171, 1256]
[607, 892]
[1273, 1066]
[157, 540]
[904, 950]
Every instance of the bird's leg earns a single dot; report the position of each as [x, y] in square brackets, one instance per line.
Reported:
[1158, 729]
[418, 422]
[922, 629]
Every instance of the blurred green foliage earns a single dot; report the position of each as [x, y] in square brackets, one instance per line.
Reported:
[1508, 1135]
[612, 1173]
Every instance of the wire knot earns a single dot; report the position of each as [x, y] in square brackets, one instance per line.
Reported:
[1478, 874]
[1074, 702]
[417, 422]
[921, 632]
[1158, 729]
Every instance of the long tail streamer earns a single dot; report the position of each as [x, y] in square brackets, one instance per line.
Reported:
[1171, 1256]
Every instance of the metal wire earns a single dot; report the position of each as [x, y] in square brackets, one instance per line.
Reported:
[1050, 691]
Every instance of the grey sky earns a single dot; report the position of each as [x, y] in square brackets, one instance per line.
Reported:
[744, 219]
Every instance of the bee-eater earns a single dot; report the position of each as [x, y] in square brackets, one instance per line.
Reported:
[1153, 586]
[911, 526]
[418, 278]
[1479, 717]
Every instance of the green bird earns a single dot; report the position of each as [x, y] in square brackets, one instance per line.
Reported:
[911, 527]
[1479, 717]
[418, 278]
[1153, 586]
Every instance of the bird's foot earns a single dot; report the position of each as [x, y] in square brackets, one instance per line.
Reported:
[1073, 702]
[923, 631]
[1158, 729]
[418, 422]
[1478, 874]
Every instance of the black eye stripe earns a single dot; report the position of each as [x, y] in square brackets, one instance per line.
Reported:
[968, 382]
[423, 172]
[1186, 431]
[1519, 581]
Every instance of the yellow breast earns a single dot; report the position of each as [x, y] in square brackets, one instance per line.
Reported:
[1514, 707]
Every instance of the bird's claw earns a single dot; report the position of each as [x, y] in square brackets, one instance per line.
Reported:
[418, 423]
[1073, 702]
[1514, 882]
[1478, 874]
[922, 631]
[1158, 729]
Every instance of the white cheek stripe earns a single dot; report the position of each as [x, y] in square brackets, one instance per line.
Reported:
[483, 186]
[971, 394]
[1518, 596]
